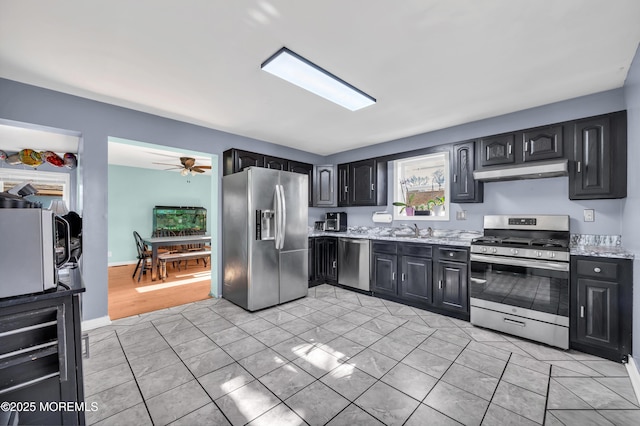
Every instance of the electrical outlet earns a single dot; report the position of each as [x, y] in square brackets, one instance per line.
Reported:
[461, 215]
[589, 215]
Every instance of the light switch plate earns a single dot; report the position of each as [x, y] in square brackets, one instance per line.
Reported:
[461, 215]
[589, 215]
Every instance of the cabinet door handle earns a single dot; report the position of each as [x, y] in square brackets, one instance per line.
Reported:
[579, 166]
[597, 270]
[451, 254]
[373, 186]
[440, 284]
[346, 188]
[581, 311]
[509, 148]
[455, 177]
[526, 146]
[393, 276]
[402, 277]
[335, 264]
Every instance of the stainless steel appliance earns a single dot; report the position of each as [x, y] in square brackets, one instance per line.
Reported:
[520, 277]
[264, 237]
[353, 263]
[34, 244]
[335, 221]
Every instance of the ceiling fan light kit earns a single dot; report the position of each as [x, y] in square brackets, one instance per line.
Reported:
[303, 73]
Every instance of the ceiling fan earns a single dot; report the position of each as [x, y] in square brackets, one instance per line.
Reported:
[188, 166]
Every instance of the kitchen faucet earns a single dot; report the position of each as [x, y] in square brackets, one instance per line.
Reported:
[416, 230]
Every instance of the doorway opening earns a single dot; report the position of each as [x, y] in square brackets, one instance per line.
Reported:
[141, 177]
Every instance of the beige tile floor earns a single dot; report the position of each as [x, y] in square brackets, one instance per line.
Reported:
[340, 358]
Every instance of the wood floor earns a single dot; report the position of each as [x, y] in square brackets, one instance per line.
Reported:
[129, 297]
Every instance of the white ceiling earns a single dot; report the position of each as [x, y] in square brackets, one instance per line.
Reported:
[123, 154]
[430, 64]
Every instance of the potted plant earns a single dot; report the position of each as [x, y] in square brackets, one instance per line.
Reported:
[438, 206]
[407, 199]
[423, 210]
[407, 205]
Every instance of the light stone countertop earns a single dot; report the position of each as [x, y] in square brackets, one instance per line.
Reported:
[581, 244]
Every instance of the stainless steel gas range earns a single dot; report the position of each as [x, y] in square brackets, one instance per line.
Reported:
[520, 277]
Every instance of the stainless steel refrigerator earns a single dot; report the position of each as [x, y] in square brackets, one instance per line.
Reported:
[264, 237]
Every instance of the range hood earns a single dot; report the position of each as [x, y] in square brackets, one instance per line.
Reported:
[535, 170]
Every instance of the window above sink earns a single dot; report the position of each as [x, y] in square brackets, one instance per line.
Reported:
[421, 188]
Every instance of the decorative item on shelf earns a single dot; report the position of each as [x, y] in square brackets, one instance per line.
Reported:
[3, 155]
[423, 210]
[52, 158]
[30, 157]
[59, 207]
[13, 159]
[70, 161]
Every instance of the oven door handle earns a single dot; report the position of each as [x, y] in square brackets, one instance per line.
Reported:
[527, 263]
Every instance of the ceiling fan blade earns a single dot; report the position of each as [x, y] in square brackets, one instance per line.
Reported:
[204, 167]
[197, 169]
[167, 164]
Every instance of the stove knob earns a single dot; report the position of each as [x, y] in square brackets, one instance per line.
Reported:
[514, 251]
[484, 249]
[494, 250]
[552, 254]
[539, 253]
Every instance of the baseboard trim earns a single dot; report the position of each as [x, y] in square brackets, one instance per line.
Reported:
[96, 323]
[128, 262]
[634, 375]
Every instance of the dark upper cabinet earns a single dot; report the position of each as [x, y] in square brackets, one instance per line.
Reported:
[499, 149]
[464, 189]
[450, 289]
[304, 169]
[362, 183]
[324, 182]
[275, 163]
[235, 160]
[343, 184]
[543, 143]
[599, 166]
[601, 315]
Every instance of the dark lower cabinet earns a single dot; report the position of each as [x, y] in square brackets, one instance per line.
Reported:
[601, 313]
[41, 357]
[325, 260]
[416, 278]
[384, 268]
[422, 275]
[450, 290]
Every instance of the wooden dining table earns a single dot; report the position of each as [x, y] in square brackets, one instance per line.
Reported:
[156, 242]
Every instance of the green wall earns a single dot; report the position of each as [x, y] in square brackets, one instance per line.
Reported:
[134, 192]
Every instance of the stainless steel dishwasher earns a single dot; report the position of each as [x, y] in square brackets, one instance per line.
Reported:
[353, 263]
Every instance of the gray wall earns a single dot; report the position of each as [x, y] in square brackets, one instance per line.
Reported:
[96, 121]
[631, 206]
[550, 196]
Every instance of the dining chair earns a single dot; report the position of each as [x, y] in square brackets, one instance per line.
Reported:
[144, 257]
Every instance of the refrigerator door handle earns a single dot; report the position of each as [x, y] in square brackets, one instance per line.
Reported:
[277, 218]
[283, 217]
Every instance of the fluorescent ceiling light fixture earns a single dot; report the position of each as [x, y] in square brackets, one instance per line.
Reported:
[297, 70]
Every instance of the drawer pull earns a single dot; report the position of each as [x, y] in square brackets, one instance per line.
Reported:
[509, 148]
[579, 164]
[581, 311]
[514, 322]
[597, 270]
[440, 284]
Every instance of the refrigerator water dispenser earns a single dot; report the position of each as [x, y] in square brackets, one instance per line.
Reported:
[265, 226]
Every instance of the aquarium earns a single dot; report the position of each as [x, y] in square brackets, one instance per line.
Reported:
[168, 218]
